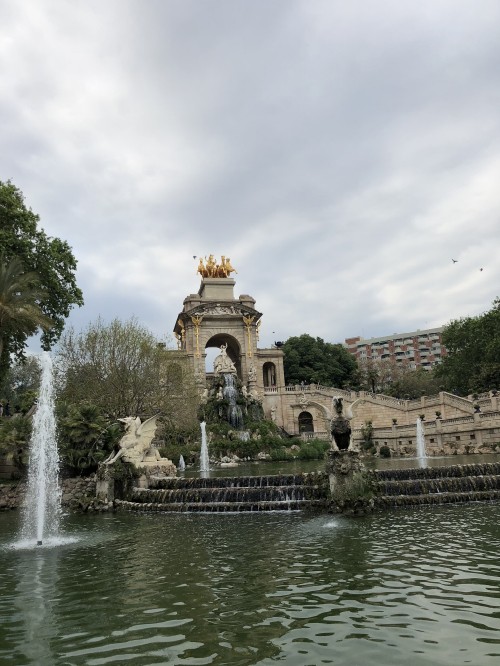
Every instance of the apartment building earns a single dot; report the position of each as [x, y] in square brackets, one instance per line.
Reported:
[420, 348]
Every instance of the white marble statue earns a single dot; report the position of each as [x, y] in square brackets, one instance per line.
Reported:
[135, 445]
[223, 363]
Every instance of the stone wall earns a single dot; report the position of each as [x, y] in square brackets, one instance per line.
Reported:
[78, 494]
[475, 433]
[380, 409]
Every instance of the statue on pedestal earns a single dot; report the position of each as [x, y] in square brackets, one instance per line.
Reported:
[223, 363]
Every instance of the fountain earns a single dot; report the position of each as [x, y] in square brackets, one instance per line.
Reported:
[42, 504]
[421, 454]
[230, 393]
[182, 465]
[204, 461]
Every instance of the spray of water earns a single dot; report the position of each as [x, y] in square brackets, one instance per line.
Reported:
[204, 461]
[42, 504]
[421, 452]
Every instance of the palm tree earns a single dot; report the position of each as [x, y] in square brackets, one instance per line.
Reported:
[20, 311]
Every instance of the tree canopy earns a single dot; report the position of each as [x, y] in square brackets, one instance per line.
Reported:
[48, 261]
[473, 360]
[396, 378]
[312, 360]
[20, 310]
[122, 369]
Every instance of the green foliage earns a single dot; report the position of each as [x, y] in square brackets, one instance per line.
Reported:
[473, 359]
[313, 449]
[21, 314]
[123, 370]
[86, 437]
[49, 258]
[312, 360]
[281, 455]
[397, 379]
[21, 384]
[15, 433]
[385, 451]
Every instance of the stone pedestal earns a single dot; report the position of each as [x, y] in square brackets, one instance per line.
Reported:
[350, 490]
[105, 487]
[158, 468]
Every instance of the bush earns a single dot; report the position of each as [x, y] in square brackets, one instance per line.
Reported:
[313, 450]
[281, 454]
[385, 452]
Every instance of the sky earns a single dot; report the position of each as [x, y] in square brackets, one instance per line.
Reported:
[340, 153]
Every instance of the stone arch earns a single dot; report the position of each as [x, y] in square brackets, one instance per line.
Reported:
[269, 374]
[306, 422]
[233, 348]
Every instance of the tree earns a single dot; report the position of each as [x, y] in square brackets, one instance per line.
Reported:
[473, 359]
[21, 384]
[21, 311]
[122, 370]
[86, 437]
[313, 360]
[51, 259]
[396, 378]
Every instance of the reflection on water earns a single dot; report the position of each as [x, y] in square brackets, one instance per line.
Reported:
[419, 586]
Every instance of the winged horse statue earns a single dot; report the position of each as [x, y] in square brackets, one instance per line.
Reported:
[136, 442]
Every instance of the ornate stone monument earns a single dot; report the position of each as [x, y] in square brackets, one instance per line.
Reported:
[136, 448]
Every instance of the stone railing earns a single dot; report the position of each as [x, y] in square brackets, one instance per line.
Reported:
[319, 434]
[457, 401]
[458, 419]
[488, 415]
[380, 397]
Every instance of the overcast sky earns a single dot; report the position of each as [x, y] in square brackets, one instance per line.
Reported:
[340, 153]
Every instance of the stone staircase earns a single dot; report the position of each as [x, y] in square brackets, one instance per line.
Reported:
[290, 492]
[436, 485]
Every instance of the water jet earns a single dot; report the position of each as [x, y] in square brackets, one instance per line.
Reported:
[42, 503]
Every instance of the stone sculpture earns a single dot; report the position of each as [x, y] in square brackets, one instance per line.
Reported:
[136, 446]
[340, 426]
[223, 363]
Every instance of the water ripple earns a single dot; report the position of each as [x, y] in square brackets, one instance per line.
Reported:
[419, 586]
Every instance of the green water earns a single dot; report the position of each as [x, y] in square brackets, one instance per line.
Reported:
[407, 587]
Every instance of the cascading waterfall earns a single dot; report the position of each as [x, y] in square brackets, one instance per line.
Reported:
[204, 461]
[421, 453]
[42, 504]
[230, 393]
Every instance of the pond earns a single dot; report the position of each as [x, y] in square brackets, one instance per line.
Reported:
[419, 586]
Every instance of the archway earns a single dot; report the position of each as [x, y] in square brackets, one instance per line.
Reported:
[269, 374]
[306, 423]
[233, 351]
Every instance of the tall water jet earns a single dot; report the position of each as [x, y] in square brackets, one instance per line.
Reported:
[421, 453]
[42, 504]
[182, 465]
[204, 461]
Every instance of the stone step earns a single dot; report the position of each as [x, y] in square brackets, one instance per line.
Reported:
[244, 494]
[464, 484]
[172, 483]
[210, 507]
[475, 469]
[387, 501]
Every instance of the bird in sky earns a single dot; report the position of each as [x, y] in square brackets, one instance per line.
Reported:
[480, 269]
[454, 261]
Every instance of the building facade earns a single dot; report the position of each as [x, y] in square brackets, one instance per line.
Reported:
[418, 349]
